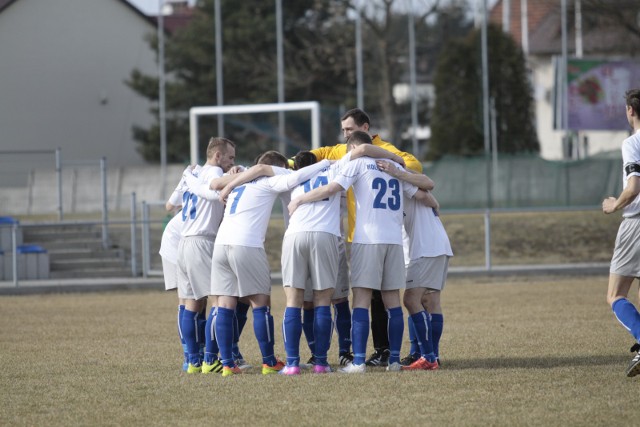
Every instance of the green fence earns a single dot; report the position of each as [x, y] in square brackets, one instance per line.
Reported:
[524, 182]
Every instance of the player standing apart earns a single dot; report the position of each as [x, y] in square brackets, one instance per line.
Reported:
[625, 263]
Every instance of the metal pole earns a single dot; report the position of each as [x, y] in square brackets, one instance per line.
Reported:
[494, 142]
[565, 110]
[134, 227]
[579, 28]
[59, 178]
[162, 102]
[14, 261]
[219, 76]
[524, 22]
[105, 208]
[412, 79]
[145, 240]
[282, 145]
[485, 120]
[506, 16]
[359, 72]
[487, 239]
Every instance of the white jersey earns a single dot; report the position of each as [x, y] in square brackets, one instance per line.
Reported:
[323, 215]
[201, 217]
[425, 233]
[248, 209]
[378, 201]
[631, 157]
[171, 239]
[176, 197]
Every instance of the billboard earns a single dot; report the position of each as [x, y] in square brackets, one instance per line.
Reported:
[595, 93]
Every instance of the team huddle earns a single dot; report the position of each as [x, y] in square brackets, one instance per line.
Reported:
[213, 253]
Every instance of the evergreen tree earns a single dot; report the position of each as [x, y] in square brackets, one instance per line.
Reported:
[457, 123]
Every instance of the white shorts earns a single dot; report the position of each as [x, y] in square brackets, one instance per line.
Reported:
[170, 273]
[342, 282]
[428, 272]
[379, 267]
[194, 267]
[239, 271]
[310, 255]
[626, 255]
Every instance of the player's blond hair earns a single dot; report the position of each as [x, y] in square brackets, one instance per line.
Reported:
[218, 144]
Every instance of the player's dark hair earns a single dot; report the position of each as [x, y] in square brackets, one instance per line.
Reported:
[218, 143]
[359, 137]
[359, 117]
[273, 158]
[303, 159]
[633, 100]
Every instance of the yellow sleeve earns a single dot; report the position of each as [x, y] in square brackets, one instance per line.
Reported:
[334, 152]
[409, 160]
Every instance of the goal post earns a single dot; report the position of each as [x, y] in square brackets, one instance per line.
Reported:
[195, 112]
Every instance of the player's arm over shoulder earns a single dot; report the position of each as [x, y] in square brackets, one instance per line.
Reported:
[409, 159]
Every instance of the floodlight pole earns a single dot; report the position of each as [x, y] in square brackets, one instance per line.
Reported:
[282, 144]
[412, 79]
[359, 72]
[487, 141]
[219, 76]
[162, 103]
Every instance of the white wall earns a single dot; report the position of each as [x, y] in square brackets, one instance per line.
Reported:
[61, 78]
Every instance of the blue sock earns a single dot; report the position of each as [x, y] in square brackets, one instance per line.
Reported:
[224, 335]
[291, 332]
[190, 333]
[395, 330]
[262, 322]
[437, 325]
[343, 326]
[211, 345]
[322, 329]
[359, 334]
[184, 344]
[240, 320]
[307, 327]
[422, 324]
[628, 316]
[202, 326]
[414, 349]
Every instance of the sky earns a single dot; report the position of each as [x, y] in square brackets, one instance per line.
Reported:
[150, 7]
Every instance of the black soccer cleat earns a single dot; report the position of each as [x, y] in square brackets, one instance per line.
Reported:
[379, 358]
[345, 358]
[634, 366]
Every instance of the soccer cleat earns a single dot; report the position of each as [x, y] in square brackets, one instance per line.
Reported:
[394, 367]
[215, 367]
[421, 364]
[266, 369]
[310, 363]
[194, 369]
[634, 366]
[290, 370]
[242, 364]
[227, 371]
[379, 358]
[345, 358]
[409, 359]
[353, 369]
[321, 369]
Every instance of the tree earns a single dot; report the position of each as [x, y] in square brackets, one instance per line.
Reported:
[457, 126]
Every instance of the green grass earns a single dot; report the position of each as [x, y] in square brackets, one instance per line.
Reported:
[515, 351]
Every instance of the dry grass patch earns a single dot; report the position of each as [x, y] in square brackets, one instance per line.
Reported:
[516, 351]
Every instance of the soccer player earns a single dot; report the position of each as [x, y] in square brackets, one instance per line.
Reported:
[201, 218]
[357, 120]
[310, 255]
[427, 253]
[376, 253]
[239, 266]
[625, 263]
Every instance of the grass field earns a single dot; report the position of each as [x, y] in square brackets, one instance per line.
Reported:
[515, 351]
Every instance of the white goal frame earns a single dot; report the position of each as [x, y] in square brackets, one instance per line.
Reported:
[196, 112]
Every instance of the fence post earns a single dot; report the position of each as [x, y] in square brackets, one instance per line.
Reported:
[105, 219]
[487, 239]
[134, 226]
[145, 240]
[59, 178]
[14, 244]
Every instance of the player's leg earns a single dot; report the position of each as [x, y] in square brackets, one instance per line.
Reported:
[421, 321]
[626, 313]
[379, 334]
[189, 326]
[391, 299]
[307, 327]
[431, 302]
[240, 319]
[359, 329]
[224, 332]
[342, 312]
[323, 328]
[292, 329]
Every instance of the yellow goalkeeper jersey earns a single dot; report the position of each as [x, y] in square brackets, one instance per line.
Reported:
[336, 152]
